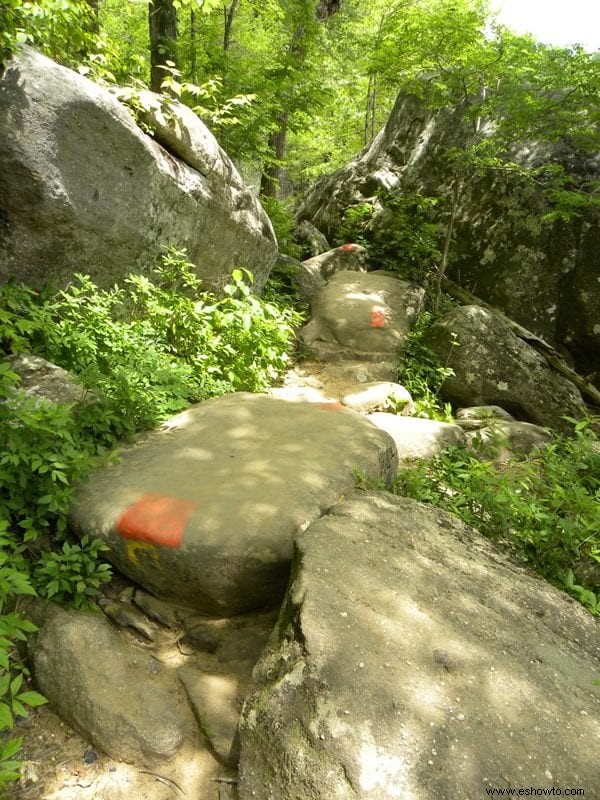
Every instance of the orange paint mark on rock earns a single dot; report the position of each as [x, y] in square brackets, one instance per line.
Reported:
[348, 248]
[377, 317]
[328, 406]
[158, 519]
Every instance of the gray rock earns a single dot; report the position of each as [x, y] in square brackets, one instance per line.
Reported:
[378, 396]
[315, 272]
[418, 438]
[361, 315]
[166, 614]
[509, 438]
[242, 648]
[83, 189]
[413, 659]
[311, 239]
[200, 634]
[204, 512]
[115, 694]
[45, 381]
[493, 366]
[217, 702]
[483, 414]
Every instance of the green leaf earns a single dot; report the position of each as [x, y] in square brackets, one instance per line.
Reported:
[33, 699]
[6, 717]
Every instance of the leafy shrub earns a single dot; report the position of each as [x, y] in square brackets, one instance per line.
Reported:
[545, 508]
[280, 214]
[154, 345]
[14, 582]
[397, 230]
[62, 29]
[423, 374]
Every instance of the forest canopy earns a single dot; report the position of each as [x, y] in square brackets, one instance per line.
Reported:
[294, 88]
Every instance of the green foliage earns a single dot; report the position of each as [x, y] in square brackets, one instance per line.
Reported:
[62, 29]
[545, 507]
[281, 216]
[151, 347]
[423, 375]
[206, 100]
[73, 574]
[11, 33]
[14, 701]
[397, 230]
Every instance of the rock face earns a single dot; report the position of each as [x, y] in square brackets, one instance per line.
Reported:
[361, 315]
[493, 366]
[123, 700]
[83, 189]
[545, 275]
[205, 512]
[414, 660]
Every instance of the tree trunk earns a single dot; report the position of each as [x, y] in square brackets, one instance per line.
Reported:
[271, 178]
[370, 110]
[162, 20]
[229, 15]
[456, 189]
[93, 4]
[272, 171]
[193, 55]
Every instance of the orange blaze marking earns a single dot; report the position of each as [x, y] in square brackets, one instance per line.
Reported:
[328, 406]
[348, 248]
[377, 318]
[156, 519]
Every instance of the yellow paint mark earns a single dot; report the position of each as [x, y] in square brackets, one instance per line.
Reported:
[136, 547]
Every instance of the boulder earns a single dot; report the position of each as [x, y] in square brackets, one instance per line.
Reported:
[361, 315]
[418, 438]
[493, 366]
[84, 189]
[116, 695]
[43, 380]
[378, 396]
[205, 511]
[413, 659]
[508, 438]
[311, 239]
[483, 414]
[315, 272]
[544, 273]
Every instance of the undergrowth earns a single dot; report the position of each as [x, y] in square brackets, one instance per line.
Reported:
[141, 351]
[423, 374]
[546, 507]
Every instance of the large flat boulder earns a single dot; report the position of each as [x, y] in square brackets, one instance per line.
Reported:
[205, 511]
[493, 366]
[84, 189]
[414, 660]
[361, 315]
